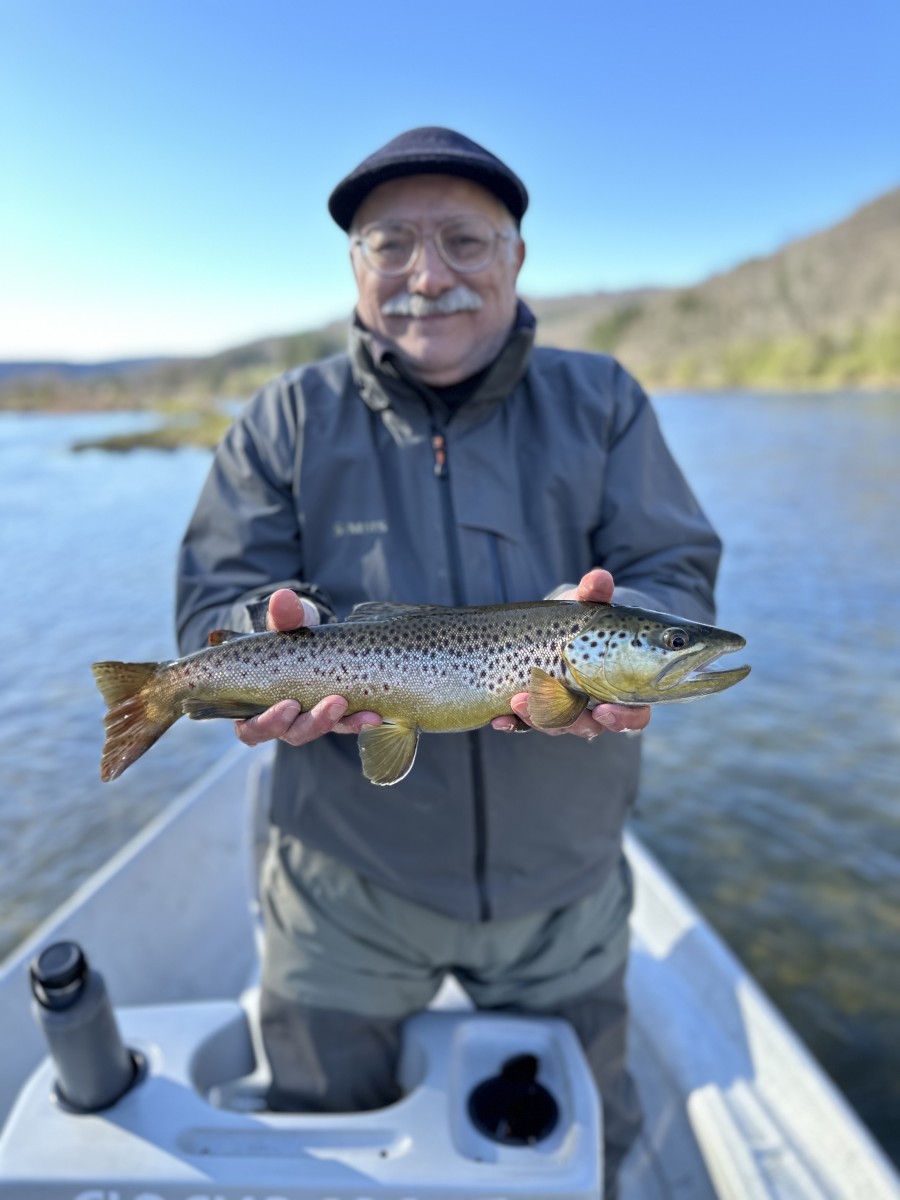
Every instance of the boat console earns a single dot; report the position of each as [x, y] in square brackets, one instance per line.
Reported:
[492, 1107]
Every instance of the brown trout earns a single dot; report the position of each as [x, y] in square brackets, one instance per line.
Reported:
[422, 668]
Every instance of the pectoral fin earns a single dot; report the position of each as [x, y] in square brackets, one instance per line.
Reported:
[387, 752]
[551, 704]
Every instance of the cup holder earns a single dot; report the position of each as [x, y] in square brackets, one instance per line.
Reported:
[513, 1108]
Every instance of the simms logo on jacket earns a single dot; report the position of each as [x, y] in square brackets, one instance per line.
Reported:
[356, 528]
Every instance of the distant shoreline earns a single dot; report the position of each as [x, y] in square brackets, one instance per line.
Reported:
[204, 429]
[821, 315]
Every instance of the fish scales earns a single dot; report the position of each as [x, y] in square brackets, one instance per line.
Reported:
[422, 669]
[451, 671]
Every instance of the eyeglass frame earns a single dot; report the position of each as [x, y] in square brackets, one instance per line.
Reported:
[422, 236]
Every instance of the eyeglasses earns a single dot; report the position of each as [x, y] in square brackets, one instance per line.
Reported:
[466, 244]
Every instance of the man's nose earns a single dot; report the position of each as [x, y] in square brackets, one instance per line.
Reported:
[429, 274]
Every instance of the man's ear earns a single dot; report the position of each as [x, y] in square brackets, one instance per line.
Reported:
[520, 255]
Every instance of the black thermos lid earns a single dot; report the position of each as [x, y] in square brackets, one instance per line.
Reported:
[513, 1107]
[58, 974]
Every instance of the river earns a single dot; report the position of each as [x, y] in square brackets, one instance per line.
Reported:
[775, 805]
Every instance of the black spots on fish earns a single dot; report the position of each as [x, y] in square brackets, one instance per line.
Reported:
[623, 633]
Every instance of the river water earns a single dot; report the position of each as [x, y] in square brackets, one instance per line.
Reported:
[776, 805]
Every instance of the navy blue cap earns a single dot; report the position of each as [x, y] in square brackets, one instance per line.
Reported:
[430, 150]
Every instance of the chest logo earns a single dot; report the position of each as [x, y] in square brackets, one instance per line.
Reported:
[358, 528]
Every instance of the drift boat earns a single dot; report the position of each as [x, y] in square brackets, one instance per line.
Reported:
[735, 1107]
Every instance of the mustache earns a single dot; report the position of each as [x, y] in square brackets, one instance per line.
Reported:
[410, 304]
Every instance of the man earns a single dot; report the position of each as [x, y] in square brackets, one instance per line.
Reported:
[443, 460]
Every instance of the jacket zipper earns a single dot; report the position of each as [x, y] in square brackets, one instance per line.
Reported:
[441, 471]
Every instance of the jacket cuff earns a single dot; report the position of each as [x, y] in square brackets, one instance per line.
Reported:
[558, 591]
[257, 610]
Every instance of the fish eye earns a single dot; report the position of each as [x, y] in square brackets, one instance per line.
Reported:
[676, 639]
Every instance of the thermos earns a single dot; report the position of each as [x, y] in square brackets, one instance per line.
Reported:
[72, 1007]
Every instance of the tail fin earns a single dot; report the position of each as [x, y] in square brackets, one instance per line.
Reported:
[134, 721]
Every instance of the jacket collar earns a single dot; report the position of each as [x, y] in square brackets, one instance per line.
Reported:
[385, 382]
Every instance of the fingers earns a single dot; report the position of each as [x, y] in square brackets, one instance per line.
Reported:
[356, 722]
[510, 724]
[286, 721]
[612, 718]
[597, 585]
[287, 611]
[519, 705]
[619, 718]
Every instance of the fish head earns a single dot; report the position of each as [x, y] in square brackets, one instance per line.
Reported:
[636, 656]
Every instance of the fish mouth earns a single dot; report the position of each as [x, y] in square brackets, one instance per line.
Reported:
[694, 672]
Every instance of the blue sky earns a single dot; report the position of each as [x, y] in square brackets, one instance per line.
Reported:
[164, 164]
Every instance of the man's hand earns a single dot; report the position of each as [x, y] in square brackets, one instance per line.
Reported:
[596, 585]
[285, 720]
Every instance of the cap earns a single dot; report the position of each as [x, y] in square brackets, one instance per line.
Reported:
[58, 974]
[430, 150]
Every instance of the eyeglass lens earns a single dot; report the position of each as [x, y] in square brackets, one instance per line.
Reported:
[464, 243]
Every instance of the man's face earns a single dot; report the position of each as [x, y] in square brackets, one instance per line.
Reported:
[440, 348]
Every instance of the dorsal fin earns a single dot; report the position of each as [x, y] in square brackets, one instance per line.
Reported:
[387, 610]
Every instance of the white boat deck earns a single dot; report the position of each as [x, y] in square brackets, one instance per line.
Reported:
[735, 1106]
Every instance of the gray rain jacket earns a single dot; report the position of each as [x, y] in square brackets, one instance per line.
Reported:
[347, 480]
